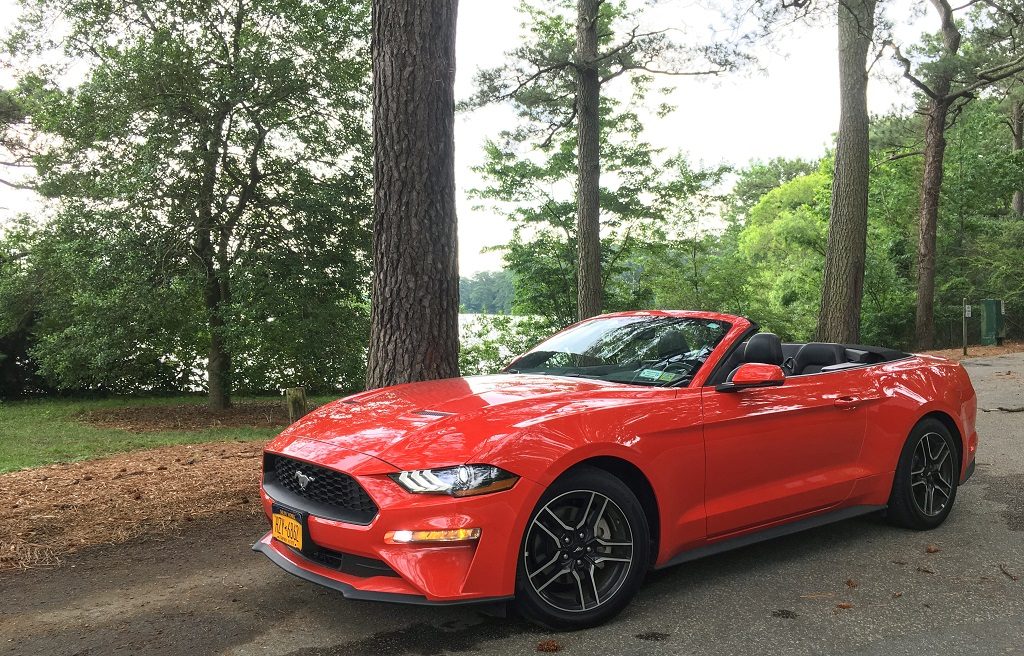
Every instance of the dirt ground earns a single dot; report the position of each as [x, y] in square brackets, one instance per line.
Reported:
[50, 513]
[979, 351]
[189, 416]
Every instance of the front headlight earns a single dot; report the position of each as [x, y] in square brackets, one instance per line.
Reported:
[458, 481]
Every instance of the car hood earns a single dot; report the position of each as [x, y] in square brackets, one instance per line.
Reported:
[444, 422]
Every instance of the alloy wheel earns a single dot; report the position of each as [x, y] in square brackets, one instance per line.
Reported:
[579, 551]
[932, 474]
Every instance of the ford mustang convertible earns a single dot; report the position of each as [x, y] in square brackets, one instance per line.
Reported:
[626, 442]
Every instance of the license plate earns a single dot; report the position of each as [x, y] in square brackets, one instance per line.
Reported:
[287, 528]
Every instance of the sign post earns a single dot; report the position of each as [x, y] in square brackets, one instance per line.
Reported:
[967, 314]
[295, 399]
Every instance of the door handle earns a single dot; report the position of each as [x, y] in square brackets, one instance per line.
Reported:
[847, 402]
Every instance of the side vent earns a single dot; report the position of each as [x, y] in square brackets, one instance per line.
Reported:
[433, 413]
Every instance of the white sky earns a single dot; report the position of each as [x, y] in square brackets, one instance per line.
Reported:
[790, 108]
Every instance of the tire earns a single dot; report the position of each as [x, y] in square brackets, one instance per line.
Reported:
[575, 569]
[929, 464]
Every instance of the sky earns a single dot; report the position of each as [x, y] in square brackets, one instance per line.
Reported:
[787, 106]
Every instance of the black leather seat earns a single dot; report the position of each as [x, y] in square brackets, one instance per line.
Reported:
[671, 343]
[814, 356]
[765, 348]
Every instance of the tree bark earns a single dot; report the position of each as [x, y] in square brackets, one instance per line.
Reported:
[588, 187]
[218, 364]
[842, 286]
[1017, 128]
[928, 218]
[931, 181]
[215, 286]
[414, 332]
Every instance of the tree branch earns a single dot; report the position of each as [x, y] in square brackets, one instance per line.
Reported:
[950, 32]
[18, 185]
[906, 63]
[536, 75]
[991, 76]
[656, 71]
[898, 156]
[559, 125]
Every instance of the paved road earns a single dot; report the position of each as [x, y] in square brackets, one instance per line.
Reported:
[203, 594]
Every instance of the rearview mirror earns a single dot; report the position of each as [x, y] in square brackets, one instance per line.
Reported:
[753, 374]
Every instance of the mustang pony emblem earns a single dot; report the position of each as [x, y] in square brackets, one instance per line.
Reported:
[304, 480]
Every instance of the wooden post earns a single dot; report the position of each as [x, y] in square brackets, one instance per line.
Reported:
[295, 399]
[964, 320]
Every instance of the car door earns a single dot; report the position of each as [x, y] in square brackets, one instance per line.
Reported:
[774, 453]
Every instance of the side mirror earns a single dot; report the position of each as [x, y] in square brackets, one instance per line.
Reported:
[753, 374]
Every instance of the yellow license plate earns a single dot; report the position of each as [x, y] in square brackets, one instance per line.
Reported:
[288, 530]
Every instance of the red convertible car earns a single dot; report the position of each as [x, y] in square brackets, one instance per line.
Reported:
[626, 442]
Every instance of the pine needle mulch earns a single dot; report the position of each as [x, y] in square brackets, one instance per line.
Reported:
[189, 417]
[49, 513]
[978, 351]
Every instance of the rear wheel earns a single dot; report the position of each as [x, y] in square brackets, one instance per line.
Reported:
[585, 552]
[926, 480]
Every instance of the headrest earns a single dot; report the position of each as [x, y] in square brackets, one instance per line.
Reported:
[672, 342]
[819, 353]
[765, 348]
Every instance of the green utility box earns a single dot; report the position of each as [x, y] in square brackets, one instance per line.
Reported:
[993, 326]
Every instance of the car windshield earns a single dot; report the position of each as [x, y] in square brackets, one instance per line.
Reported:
[639, 350]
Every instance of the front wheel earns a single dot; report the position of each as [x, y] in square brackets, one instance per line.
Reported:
[585, 551]
[926, 478]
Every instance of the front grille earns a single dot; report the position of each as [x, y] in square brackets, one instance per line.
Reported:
[350, 564]
[328, 493]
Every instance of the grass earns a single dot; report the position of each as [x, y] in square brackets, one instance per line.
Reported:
[41, 432]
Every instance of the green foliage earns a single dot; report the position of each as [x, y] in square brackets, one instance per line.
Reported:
[109, 317]
[539, 76]
[966, 55]
[784, 240]
[979, 238]
[758, 178]
[767, 263]
[18, 368]
[487, 292]
[222, 141]
[531, 169]
[767, 268]
[489, 342]
[643, 191]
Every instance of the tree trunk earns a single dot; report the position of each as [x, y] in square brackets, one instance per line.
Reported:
[218, 364]
[588, 187]
[928, 219]
[1017, 128]
[414, 330]
[842, 285]
[295, 400]
[215, 286]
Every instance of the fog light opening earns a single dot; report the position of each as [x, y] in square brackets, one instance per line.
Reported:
[445, 535]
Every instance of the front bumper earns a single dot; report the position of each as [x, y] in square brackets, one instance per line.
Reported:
[349, 586]
[482, 570]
